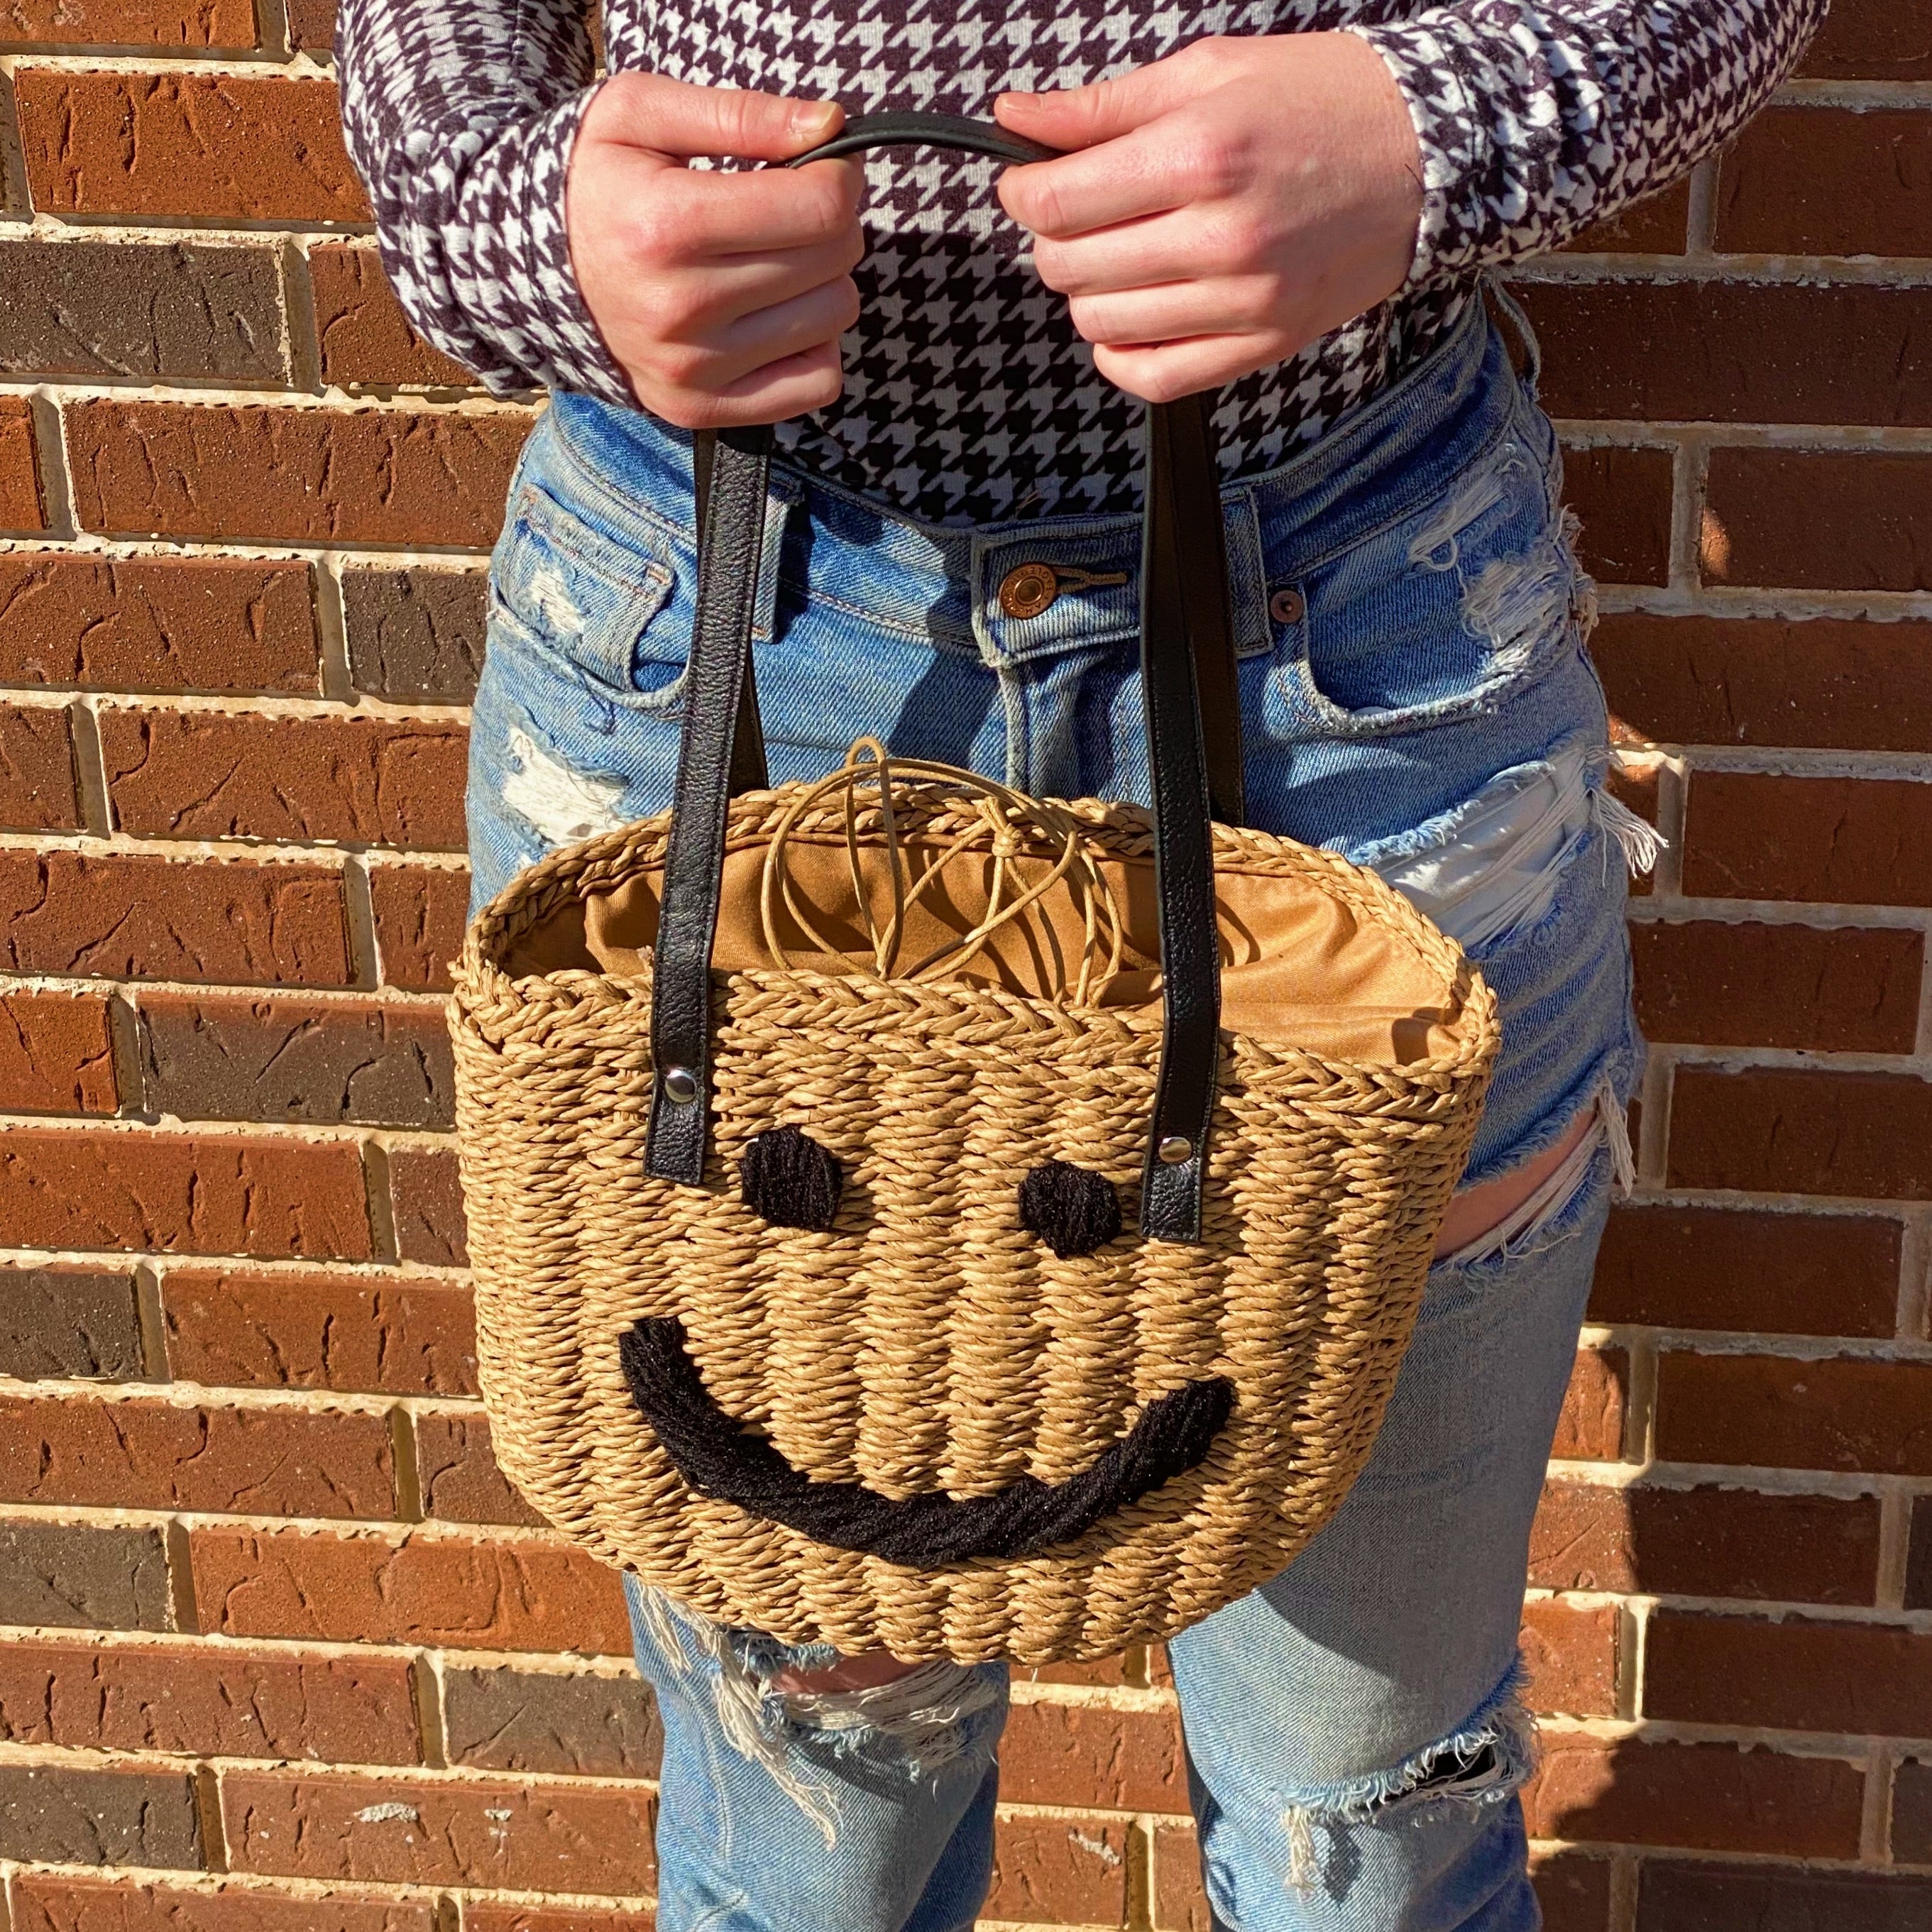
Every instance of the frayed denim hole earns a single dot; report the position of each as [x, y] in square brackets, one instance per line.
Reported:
[562, 805]
[1576, 880]
[1484, 1762]
[1455, 1286]
[912, 1728]
[1488, 592]
[1495, 862]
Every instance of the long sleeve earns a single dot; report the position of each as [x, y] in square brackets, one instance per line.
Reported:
[1537, 120]
[460, 115]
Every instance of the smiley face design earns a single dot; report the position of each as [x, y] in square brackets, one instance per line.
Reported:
[789, 1180]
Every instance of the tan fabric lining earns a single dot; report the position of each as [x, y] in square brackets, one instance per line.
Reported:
[1298, 968]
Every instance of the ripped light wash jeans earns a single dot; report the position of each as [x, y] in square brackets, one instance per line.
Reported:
[1416, 694]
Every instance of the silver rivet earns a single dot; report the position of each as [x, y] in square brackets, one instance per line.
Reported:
[1173, 1150]
[680, 1084]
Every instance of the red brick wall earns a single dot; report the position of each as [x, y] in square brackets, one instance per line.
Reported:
[285, 1651]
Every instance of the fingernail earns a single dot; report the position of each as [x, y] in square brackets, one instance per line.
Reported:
[814, 117]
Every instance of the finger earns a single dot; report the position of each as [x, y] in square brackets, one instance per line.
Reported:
[1184, 244]
[737, 286]
[1176, 369]
[671, 117]
[787, 328]
[1079, 117]
[1149, 171]
[1174, 312]
[698, 215]
[794, 387]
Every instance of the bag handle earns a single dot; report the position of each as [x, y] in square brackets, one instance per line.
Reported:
[1188, 675]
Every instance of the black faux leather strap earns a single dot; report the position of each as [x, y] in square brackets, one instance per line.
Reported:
[749, 772]
[1189, 674]
[1180, 623]
[1191, 481]
[909, 129]
[731, 532]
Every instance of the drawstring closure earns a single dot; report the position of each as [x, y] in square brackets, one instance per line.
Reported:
[1010, 827]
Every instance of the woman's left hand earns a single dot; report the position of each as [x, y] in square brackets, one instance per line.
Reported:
[1225, 207]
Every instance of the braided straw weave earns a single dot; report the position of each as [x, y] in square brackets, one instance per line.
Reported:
[927, 1342]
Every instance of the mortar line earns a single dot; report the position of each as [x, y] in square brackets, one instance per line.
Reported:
[90, 768]
[1142, 1877]
[94, 547]
[1673, 808]
[105, 386]
[213, 64]
[1690, 471]
[393, 1274]
[380, 1202]
[1914, 1280]
[426, 1689]
[1639, 1433]
[1804, 92]
[1701, 220]
[1687, 909]
[334, 1133]
[1895, 1532]
[1735, 268]
[352, 999]
[182, 1607]
[332, 399]
[1824, 439]
[408, 1476]
[153, 1321]
[332, 621]
[1808, 761]
[208, 1809]
[359, 909]
[16, 197]
[1625, 1873]
[1628, 1694]
[58, 504]
[303, 337]
[1784, 1345]
[272, 34]
[1653, 1123]
[1875, 1815]
[1640, 1661]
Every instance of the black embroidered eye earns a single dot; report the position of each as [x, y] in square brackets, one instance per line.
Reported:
[1073, 1210]
[787, 1178]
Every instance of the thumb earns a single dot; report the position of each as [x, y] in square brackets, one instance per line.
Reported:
[1081, 117]
[671, 117]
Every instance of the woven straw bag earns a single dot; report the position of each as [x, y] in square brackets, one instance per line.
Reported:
[907, 1215]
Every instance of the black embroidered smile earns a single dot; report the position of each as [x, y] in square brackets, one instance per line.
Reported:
[715, 1457]
[789, 1181]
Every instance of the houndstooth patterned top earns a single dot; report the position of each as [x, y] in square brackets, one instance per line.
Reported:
[968, 396]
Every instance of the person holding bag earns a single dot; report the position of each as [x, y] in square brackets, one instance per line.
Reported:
[958, 543]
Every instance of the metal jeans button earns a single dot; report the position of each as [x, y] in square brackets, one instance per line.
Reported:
[1028, 589]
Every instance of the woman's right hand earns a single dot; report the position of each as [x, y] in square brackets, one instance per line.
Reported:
[722, 294]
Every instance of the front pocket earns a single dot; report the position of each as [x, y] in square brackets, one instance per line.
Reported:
[597, 606]
[1441, 614]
